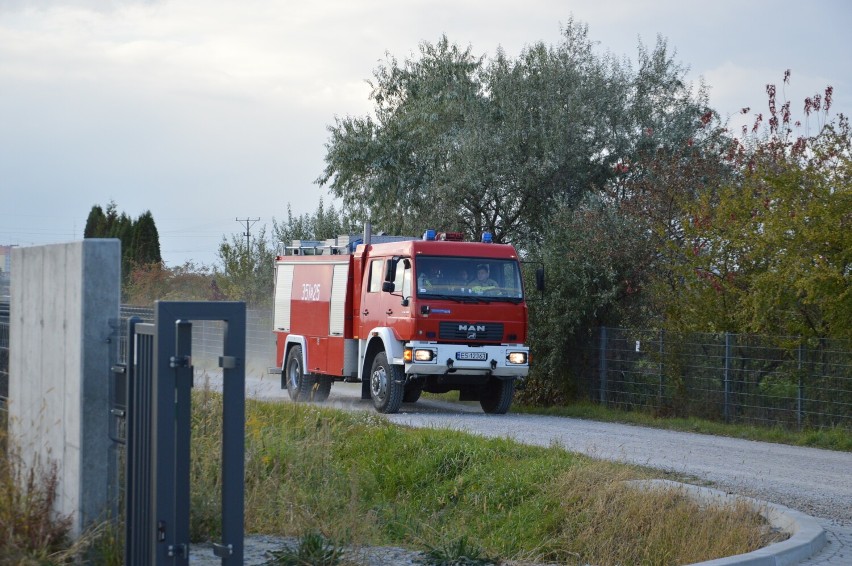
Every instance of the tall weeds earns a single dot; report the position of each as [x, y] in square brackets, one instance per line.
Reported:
[30, 531]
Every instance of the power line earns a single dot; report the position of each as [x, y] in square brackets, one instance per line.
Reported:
[249, 223]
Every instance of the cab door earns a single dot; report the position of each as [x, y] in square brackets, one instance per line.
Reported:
[372, 313]
[380, 307]
[398, 302]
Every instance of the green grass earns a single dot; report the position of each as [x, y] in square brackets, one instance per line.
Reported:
[837, 438]
[831, 439]
[358, 480]
[337, 479]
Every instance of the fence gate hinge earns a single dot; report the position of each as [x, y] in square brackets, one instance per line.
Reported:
[223, 550]
[177, 550]
[180, 361]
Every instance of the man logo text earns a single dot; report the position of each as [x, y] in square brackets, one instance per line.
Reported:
[471, 328]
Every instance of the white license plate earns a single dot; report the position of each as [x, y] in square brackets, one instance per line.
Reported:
[472, 356]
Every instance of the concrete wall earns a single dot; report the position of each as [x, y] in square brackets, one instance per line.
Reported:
[64, 307]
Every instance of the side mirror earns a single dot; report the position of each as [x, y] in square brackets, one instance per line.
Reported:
[388, 287]
[539, 279]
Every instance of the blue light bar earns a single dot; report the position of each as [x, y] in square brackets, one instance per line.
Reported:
[429, 235]
[486, 237]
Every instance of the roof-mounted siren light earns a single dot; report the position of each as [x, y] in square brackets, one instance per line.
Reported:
[429, 235]
[486, 238]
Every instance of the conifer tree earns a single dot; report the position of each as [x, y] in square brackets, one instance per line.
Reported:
[146, 240]
[95, 223]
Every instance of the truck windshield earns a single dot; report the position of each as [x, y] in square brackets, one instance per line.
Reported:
[456, 277]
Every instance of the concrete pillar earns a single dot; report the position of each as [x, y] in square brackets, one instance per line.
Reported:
[64, 311]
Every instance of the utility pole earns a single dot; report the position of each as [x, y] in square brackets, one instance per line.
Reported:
[249, 223]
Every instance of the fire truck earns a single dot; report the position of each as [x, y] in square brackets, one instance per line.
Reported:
[401, 315]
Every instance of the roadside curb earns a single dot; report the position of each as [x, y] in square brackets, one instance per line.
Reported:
[807, 537]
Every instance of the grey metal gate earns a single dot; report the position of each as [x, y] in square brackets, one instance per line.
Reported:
[158, 408]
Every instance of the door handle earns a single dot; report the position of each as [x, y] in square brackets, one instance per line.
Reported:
[366, 312]
[389, 312]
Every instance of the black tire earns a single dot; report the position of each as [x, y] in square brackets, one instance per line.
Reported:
[300, 385]
[412, 394]
[497, 396]
[387, 384]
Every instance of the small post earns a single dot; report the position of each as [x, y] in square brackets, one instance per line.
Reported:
[660, 369]
[603, 368]
[727, 410]
[800, 397]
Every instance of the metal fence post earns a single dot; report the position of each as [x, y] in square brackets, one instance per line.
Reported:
[801, 388]
[183, 371]
[727, 409]
[233, 439]
[660, 370]
[603, 368]
[165, 548]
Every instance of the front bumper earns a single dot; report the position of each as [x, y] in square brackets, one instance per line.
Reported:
[464, 359]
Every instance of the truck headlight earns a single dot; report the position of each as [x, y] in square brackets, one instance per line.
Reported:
[418, 355]
[423, 355]
[517, 358]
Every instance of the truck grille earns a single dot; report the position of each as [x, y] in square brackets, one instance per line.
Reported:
[463, 331]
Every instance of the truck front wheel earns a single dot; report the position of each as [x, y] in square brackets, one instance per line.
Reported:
[387, 384]
[497, 396]
[300, 385]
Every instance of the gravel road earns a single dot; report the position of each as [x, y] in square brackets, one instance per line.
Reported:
[815, 482]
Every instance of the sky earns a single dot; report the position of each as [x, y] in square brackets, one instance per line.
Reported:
[209, 111]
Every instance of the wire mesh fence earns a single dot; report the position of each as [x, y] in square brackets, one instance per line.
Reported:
[208, 336]
[735, 378]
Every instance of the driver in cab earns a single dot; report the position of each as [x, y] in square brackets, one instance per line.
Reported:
[483, 281]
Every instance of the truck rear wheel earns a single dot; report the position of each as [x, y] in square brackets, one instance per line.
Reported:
[321, 389]
[387, 384]
[300, 385]
[497, 396]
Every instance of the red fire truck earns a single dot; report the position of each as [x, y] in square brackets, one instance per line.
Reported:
[402, 315]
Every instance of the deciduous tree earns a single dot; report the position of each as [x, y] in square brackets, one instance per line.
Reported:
[321, 224]
[770, 250]
[154, 281]
[462, 143]
[245, 271]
